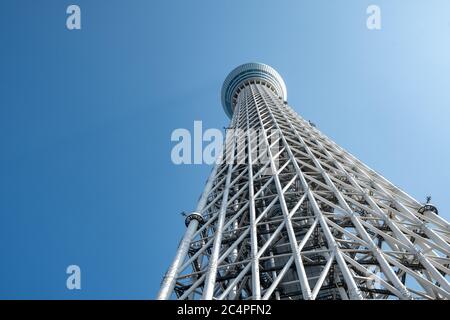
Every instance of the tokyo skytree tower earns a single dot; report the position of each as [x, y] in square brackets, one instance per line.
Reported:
[289, 214]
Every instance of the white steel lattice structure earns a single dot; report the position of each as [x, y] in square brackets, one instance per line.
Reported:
[319, 225]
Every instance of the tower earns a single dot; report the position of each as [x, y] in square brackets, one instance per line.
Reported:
[288, 214]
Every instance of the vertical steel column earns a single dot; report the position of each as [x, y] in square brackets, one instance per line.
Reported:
[211, 273]
[169, 279]
[256, 286]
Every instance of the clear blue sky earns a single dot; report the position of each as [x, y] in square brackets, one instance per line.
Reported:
[86, 118]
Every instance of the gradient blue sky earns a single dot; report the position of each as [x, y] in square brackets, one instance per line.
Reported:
[86, 118]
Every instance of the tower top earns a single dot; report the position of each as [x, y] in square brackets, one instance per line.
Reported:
[258, 72]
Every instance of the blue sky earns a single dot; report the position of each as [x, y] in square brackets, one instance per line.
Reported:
[86, 117]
